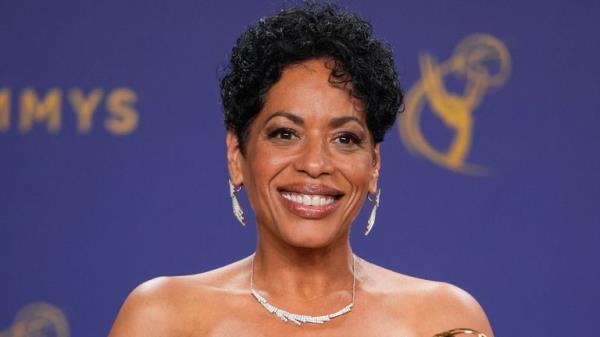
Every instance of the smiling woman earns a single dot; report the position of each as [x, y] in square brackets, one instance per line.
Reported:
[308, 144]
[308, 97]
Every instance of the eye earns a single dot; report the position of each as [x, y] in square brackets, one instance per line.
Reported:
[283, 133]
[348, 138]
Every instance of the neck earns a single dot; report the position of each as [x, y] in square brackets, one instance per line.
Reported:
[303, 273]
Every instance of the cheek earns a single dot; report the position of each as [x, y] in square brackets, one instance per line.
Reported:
[260, 169]
[265, 162]
[358, 172]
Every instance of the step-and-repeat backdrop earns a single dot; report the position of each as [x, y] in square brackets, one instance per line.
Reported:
[112, 163]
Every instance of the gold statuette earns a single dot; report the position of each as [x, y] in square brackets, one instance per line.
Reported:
[459, 332]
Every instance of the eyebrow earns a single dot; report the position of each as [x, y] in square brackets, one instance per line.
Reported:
[295, 119]
[339, 121]
[334, 123]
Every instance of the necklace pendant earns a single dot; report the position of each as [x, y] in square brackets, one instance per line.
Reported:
[299, 319]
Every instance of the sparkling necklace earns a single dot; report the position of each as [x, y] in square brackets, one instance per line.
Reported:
[298, 318]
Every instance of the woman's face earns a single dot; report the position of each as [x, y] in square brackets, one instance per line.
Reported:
[309, 161]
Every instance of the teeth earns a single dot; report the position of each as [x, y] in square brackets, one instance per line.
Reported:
[308, 200]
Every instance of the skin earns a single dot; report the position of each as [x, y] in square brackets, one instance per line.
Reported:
[308, 133]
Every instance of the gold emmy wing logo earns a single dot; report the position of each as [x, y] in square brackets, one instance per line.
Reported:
[38, 319]
[483, 62]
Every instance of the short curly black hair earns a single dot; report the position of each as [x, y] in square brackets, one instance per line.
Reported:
[301, 32]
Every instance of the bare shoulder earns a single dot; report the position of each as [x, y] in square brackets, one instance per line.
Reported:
[453, 307]
[431, 306]
[158, 307]
[171, 306]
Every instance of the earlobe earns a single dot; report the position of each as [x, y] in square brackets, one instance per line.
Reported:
[374, 180]
[234, 158]
[375, 169]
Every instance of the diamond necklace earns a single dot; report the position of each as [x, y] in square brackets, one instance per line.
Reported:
[298, 318]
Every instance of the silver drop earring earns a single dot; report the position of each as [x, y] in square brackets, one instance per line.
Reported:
[235, 203]
[374, 198]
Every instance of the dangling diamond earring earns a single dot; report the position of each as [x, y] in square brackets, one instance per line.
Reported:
[235, 203]
[374, 198]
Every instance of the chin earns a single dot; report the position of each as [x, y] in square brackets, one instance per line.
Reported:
[310, 235]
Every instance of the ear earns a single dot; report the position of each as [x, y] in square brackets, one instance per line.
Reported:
[234, 158]
[375, 168]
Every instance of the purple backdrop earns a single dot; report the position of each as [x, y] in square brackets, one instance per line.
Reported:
[112, 167]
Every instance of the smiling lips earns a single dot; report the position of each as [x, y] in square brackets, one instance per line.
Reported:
[309, 200]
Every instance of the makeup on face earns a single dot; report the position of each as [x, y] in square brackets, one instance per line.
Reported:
[310, 158]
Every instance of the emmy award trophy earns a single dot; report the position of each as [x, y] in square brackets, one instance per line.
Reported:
[460, 332]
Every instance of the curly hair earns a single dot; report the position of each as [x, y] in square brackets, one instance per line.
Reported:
[295, 34]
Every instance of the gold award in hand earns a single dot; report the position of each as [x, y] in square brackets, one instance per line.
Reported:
[459, 332]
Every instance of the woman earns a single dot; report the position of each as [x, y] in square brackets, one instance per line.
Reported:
[307, 97]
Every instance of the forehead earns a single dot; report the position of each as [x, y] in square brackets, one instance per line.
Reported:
[305, 89]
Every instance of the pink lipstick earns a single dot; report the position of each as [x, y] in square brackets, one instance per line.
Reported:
[311, 201]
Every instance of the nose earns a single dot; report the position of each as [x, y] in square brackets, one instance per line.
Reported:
[315, 158]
